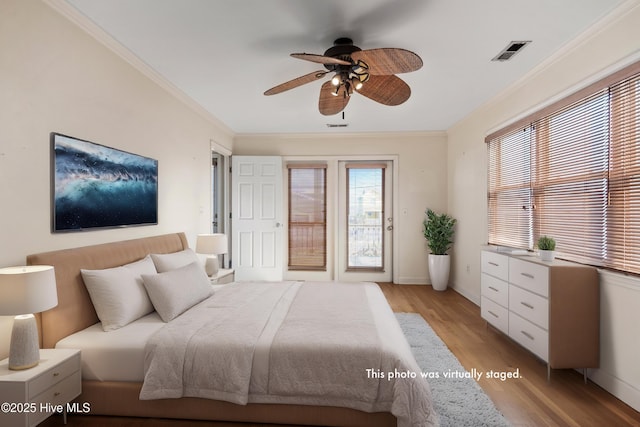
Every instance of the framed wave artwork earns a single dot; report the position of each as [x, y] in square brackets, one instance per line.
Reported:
[95, 187]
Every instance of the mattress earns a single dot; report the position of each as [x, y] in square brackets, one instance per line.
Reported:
[115, 355]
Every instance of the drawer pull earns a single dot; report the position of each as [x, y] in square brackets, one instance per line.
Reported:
[528, 335]
[493, 289]
[493, 314]
[530, 276]
[526, 305]
[55, 374]
[56, 394]
[494, 264]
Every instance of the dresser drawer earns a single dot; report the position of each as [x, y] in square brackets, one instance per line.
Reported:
[59, 394]
[53, 375]
[494, 289]
[495, 314]
[530, 306]
[529, 336]
[495, 264]
[530, 276]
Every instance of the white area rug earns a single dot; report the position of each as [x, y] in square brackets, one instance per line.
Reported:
[459, 402]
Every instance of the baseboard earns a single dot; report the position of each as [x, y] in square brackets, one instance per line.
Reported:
[471, 297]
[413, 281]
[620, 389]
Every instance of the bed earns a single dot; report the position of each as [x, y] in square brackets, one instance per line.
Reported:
[127, 394]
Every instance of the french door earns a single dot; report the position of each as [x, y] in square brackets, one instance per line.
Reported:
[365, 222]
[359, 229]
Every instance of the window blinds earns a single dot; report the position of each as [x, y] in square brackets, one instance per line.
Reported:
[573, 172]
[570, 177]
[623, 225]
[307, 217]
[509, 192]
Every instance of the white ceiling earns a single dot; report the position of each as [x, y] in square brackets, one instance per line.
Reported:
[224, 54]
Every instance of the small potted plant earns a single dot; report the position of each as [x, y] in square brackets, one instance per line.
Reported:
[438, 230]
[546, 248]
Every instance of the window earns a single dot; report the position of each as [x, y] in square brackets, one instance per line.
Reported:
[623, 230]
[572, 171]
[365, 216]
[509, 193]
[569, 183]
[307, 217]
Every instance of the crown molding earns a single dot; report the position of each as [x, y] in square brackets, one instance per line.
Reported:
[344, 135]
[89, 27]
[585, 37]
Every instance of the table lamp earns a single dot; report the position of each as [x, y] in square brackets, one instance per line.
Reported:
[212, 244]
[23, 291]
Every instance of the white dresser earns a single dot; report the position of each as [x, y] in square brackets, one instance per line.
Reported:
[494, 282]
[550, 308]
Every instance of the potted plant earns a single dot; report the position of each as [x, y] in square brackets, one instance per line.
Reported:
[546, 248]
[438, 230]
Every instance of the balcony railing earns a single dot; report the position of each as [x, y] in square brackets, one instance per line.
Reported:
[307, 246]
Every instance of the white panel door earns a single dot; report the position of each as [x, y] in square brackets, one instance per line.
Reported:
[256, 217]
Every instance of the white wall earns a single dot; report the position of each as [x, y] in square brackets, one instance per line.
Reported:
[614, 43]
[422, 174]
[55, 77]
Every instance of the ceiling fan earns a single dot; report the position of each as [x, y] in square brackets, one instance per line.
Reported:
[368, 72]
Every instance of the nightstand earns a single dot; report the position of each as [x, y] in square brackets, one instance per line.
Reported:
[224, 275]
[31, 395]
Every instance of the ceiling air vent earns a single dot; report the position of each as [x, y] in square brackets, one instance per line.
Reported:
[511, 49]
[337, 125]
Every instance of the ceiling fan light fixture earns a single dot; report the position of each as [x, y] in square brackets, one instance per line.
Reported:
[364, 77]
[356, 83]
[360, 67]
[336, 80]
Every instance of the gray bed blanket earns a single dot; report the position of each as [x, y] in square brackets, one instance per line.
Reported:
[332, 344]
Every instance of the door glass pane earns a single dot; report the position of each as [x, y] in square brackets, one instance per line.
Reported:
[365, 218]
[216, 187]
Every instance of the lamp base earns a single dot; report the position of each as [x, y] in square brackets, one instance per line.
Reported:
[211, 265]
[24, 352]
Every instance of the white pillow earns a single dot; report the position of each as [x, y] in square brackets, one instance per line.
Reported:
[118, 294]
[175, 291]
[167, 262]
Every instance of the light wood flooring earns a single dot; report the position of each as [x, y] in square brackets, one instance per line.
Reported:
[528, 401]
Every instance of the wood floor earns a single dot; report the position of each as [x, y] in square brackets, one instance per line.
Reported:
[528, 401]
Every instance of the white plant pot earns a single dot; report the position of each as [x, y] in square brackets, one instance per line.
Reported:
[439, 271]
[547, 255]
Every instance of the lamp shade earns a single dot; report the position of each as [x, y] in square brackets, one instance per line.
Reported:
[212, 244]
[28, 289]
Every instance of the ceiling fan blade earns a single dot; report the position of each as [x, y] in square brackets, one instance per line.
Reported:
[320, 59]
[388, 61]
[330, 104]
[299, 81]
[387, 90]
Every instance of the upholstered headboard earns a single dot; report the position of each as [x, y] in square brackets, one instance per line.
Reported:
[75, 311]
